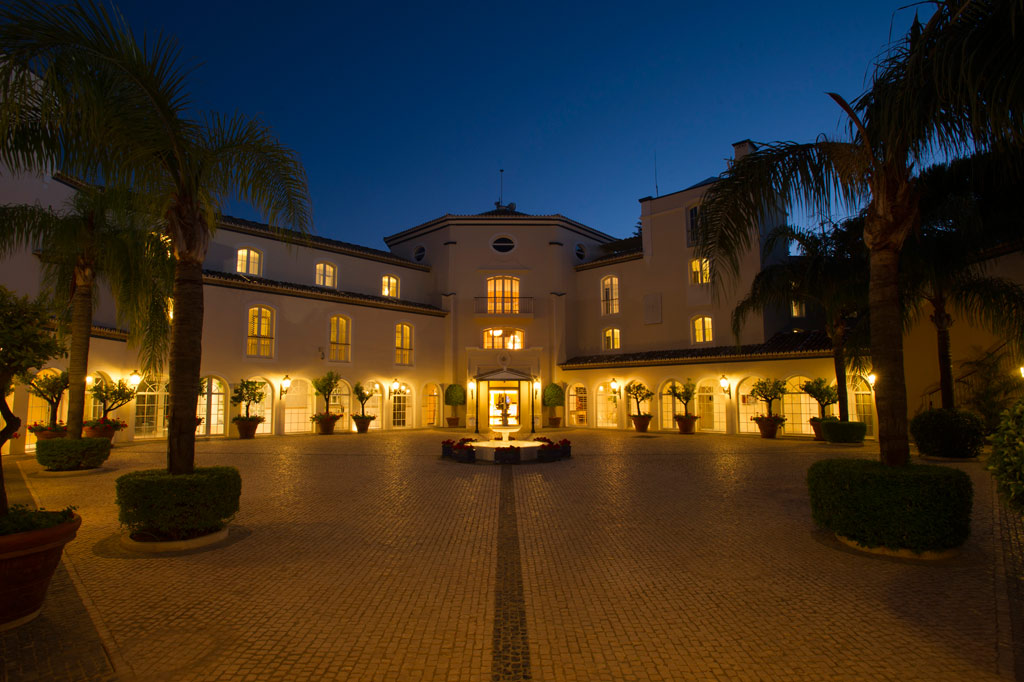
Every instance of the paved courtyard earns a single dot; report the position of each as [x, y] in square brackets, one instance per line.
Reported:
[657, 557]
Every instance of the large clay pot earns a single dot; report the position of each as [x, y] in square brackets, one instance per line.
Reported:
[27, 563]
[50, 435]
[452, 421]
[362, 423]
[816, 427]
[247, 428]
[106, 431]
[769, 428]
[641, 422]
[554, 422]
[325, 426]
[687, 423]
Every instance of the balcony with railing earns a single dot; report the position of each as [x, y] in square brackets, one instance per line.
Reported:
[503, 305]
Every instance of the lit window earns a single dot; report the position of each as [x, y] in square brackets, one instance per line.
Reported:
[326, 275]
[340, 345]
[611, 339]
[691, 226]
[610, 296]
[503, 295]
[700, 271]
[503, 244]
[261, 332]
[250, 262]
[702, 329]
[403, 344]
[509, 339]
[389, 286]
[796, 308]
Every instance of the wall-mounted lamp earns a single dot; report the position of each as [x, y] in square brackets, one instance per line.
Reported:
[536, 384]
[472, 388]
[1022, 372]
[395, 385]
[135, 378]
[614, 386]
[286, 383]
[89, 379]
[726, 388]
[871, 381]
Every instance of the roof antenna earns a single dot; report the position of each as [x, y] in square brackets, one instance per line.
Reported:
[656, 172]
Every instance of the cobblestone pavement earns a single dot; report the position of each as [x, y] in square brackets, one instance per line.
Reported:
[657, 557]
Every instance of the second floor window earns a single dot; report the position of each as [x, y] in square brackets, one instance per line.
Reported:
[610, 295]
[403, 344]
[510, 339]
[260, 343]
[326, 275]
[702, 329]
[691, 226]
[249, 262]
[611, 339]
[341, 346]
[503, 295]
[389, 286]
[700, 271]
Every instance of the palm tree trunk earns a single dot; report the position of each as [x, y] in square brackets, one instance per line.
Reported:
[942, 321]
[78, 355]
[839, 364]
[185, 360]
[887, 356]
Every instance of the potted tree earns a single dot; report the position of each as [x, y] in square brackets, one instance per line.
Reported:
[362, 419]
[50, 387]
[31, 542]
[248, 392]
[687, 422]
[639, 393]
[325, 386]
[824, 395]
[454, 395]
[554, 396]
[768, 391]
[110, 397]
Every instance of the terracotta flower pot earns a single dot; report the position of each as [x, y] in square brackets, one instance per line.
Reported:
[687, 423]
[27, 563]
[50, 435]
[816, 427]
[247, 428]
[452, 421]
[641, 422]
[554, 422]
[325, 426]
[106, 431]
[362, 423]
[769, 428]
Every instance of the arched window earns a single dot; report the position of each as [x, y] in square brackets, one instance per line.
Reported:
[249, 262]
[340, 404]
[264, 408]
[403, 344]
[798, 407]
[702, 329]
[749, 406]
[607, 407]
[700, 271]
[400, 401]
[432, 405]
[299, 407]
[326, 275]
[503, 295]
[509, 339]
[863, 403]
[151, 408]
[39, 410]
[670, 407]
[340, 341]
[211, 407]
[710, 405]
[645, 405]
[610, 339]
[610, 295]
[577, 405]
[389, 286]
[373, 405]
[94, 407]
[261, 332]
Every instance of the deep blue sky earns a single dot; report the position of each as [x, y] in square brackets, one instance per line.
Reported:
[404, 112]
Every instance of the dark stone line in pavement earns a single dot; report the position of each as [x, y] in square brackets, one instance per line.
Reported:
[1013, 551]
[511, 649]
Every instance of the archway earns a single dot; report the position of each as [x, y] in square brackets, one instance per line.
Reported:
[39, 411]
[863, 404]
[151, 407]
[607, 407]
[431, 405]
[401, 402]
[298, 407]
[576, 405]
[264, 408]
[798, 407]
[669, 406]
[341, 403]
[212, 407]
[749, 406]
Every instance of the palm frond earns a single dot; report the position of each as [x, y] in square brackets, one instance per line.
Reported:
[996, 304]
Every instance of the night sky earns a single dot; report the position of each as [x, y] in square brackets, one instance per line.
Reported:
[404, 112]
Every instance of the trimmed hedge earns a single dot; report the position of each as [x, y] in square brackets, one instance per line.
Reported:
[158, 505]
[948, 433]
[843, 432]
[918, 507]
[65, 454]
[1007, 460]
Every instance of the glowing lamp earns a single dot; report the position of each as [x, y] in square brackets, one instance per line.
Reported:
[871, 380]
[536, 384]
[615, 386]
[724, 383]
[89, 379]
[286, 383]
[135, 378]
[395, 386]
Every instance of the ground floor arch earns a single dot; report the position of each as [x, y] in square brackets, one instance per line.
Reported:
[212, 407]
[299, 406]
[576, 405]
[264, 408]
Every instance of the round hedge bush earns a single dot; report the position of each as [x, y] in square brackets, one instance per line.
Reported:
[918, 507]
[66, 454]
[948, 433]
[843, 432]
[1007, 460]
[157, 505]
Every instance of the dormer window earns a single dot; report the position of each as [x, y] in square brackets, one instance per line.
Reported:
[503, 244]
[389, 286]
[249, 262]
[326, 275]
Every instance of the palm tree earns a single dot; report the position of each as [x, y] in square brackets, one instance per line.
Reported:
[104, 105]
[101, 235]
[945, 89]
[829, 274]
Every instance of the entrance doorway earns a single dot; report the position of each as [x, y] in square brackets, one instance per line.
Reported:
[503, 403]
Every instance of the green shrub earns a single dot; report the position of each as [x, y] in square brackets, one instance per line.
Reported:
[917, 507]
[948, 433]
[178, 507]
[64, 454]
[1007, 460]
[843, 432]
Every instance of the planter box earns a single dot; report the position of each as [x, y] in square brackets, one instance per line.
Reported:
[687, 423]
[106, 431]
[362, 423]
[325, 427]
[247, 428]
[50, 435]
[769, 428]
[641, 422]
[464, 455]
[549, 454]
[447, 450]
[27, 563]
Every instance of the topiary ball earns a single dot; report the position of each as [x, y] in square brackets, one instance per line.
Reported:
[948, 433]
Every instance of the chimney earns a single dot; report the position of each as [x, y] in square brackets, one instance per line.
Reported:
[742, 148]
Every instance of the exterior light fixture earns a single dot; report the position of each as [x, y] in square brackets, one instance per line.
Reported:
[89, 379]
[614, 386]
[472, 388]
[726, 388]
[536, 384]
[1022, 372]
[395, 386]
[286, 383]
[135, 378]
[871, 380]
